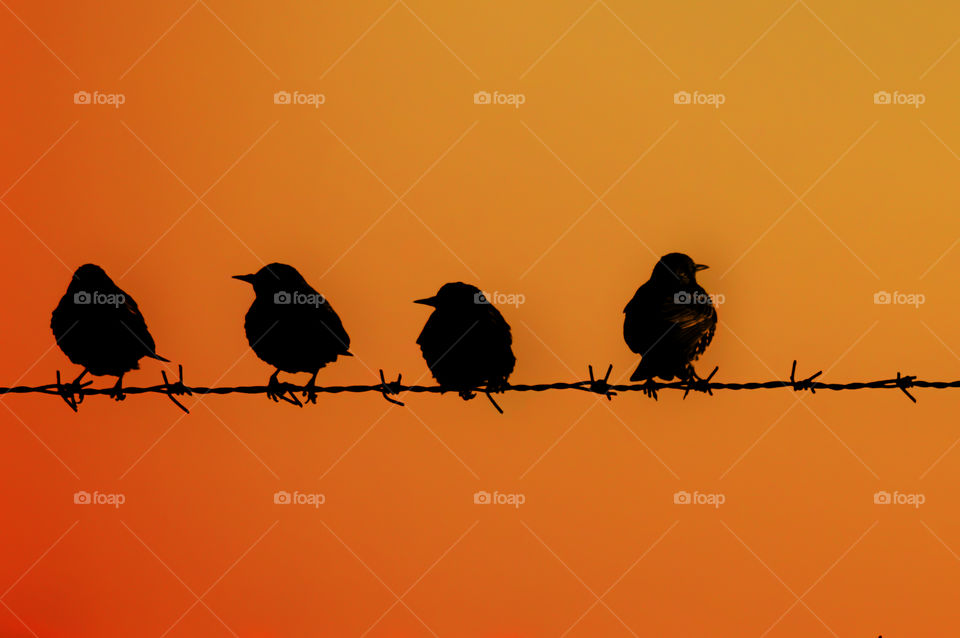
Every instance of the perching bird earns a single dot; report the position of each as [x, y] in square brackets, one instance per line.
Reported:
[670, 321]
[292, 327]
[466, 341]
[99, 326]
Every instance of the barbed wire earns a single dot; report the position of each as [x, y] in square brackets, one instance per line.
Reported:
[74, 393]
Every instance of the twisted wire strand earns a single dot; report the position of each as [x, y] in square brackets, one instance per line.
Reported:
[73, 393]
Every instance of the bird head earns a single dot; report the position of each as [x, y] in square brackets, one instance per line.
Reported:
[676, 267]
[455, 295]
[91, 277]
[274, 278]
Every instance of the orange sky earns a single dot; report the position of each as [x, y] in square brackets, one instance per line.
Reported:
[803, 195]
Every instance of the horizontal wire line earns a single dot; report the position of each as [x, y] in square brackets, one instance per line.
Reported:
[593, 385]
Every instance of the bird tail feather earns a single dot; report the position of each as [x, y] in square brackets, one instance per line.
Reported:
[154, 355]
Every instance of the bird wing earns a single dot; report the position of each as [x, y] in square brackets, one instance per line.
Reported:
[501, 354]
[691, 325]
[331, 326]
[642, 327]
[130, 316]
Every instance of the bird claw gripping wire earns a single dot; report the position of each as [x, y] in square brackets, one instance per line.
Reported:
[904, 382]
[650, 388]
[116, 392]
[601, 386]
[176, 388]
[68, 390]
[278, 391]
[803, 384]
[393, 387]
[310, 390]
[698, 384]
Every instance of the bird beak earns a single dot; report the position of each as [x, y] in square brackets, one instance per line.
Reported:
[246, 278]
[699, 267]
[429, 301]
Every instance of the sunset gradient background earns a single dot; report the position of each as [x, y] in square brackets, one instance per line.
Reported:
[803, 196]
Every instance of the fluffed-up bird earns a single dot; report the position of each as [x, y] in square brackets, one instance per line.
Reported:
[466, 341]
[292, 327]
[670, 321]
[99, 326]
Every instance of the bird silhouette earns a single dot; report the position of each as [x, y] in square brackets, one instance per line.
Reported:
[292, 327]
[670, 321]
[99, 326]
[466, 341]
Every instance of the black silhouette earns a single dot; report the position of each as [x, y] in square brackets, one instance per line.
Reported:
[670, 321]
[292, 327]
[99, 326]
[466, 341]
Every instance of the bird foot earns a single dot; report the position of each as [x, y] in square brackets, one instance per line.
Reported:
[310, 390]
[650, 389]
[70, 391]
[116, 392]
[277, 391]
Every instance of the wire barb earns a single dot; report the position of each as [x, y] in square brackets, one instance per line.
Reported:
[176, 389]
[906, 382]
[803, 384]
[386, 389]
[601, 386]
[697, 384]
[490, 396]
